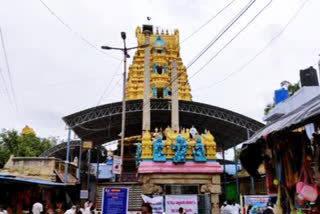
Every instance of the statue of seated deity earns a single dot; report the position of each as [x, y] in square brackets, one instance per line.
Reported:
[157, 149]
[180, 148]
[198, 152]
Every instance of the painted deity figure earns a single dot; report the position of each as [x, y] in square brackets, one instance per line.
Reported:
[198, 152]
[154, 91]
[180, 149]
[138, 154]
[157, 150]
[166, 91]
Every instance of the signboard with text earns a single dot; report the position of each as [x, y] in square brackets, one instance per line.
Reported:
[114, 200]
[188, 202]
[116, 169]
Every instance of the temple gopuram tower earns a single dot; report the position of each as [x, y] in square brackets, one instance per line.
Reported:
[164, 48]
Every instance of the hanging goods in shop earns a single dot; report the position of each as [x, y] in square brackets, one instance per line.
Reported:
[306, 190]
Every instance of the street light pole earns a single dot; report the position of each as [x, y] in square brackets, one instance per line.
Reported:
[123, 117]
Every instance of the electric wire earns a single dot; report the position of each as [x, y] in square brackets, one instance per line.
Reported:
[6, 91]
[217, 37]
[214, 40]
[242, 12]
[221, 33]
[8, 71]
[207, 22]
[90, 44]
[231, 40]
[260, 52]
[101, 98]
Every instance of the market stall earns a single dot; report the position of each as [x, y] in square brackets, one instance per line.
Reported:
[289, 149]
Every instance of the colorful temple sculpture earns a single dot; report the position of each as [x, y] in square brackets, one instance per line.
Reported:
[163, 49]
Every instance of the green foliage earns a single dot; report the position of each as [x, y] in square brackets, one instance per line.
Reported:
[13, 143]
[293, 88]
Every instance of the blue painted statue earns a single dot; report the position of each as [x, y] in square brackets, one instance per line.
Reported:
[166, 91]
[154, 68]
[157, 150]
[164, 69]
[154, 91]
[198, 152]
[138, 154]
[180, 149]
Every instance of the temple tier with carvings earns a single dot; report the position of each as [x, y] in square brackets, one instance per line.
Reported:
[164, 48]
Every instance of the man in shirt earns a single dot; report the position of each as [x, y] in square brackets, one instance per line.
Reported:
[235, 207]
[37, 208]
[228, 209]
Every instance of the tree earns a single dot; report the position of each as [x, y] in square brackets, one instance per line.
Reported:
[22, 145]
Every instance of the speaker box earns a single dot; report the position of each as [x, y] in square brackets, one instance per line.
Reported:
[309, 77]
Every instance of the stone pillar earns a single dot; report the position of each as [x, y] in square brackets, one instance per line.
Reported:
[146, 84]
[175, 101]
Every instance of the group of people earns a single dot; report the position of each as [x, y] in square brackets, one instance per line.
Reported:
[230, 207]
[37, 208]
[76, 209]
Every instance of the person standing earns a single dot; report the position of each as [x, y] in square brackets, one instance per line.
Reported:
[228, 209]
[222, 207]
[71, 211]
[269, 209]
[37, 208]
[146, 208]
[181, 211]
[235, 207]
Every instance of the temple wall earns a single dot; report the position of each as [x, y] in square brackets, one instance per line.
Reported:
[209, 183]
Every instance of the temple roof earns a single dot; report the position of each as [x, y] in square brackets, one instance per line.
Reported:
[103, 123]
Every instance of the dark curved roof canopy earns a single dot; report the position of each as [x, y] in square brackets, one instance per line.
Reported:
[103, 123]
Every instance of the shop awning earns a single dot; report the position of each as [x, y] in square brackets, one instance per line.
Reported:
[26, 180]
[305, 114]
[252, 149]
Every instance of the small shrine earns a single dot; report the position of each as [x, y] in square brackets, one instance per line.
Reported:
[179, 158]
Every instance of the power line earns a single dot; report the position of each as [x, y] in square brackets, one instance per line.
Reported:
[8, 71]
[231, 40]
[221, 33]
[101, 129]
[101, 97]
[6, 91]
[109, 84]
[90, 44]
[207, 22]
[261, 51]
[216, 38]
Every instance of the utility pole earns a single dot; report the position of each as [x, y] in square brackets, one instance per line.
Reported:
[123, 115]
[66, 167]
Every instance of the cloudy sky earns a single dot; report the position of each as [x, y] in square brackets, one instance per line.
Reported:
[55, 72]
